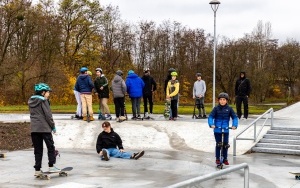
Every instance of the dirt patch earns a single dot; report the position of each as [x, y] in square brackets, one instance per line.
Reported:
[15, 136]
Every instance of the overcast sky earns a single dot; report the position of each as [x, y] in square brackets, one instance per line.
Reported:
[234, 17]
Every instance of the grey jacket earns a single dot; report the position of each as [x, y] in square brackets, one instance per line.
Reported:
[118, 87]
[199, 88]
[41, 119]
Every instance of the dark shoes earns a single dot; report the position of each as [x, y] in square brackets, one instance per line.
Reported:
[105, 155]
[136, 156]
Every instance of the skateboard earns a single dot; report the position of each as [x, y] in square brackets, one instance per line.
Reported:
[62, 172]
[167, 109]
[297, 175]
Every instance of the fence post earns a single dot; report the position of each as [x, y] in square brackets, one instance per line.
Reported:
[272, 115]
[255, 132]
[234, 146]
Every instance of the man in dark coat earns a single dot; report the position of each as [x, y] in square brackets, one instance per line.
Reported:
[242, 93]
[150, 87]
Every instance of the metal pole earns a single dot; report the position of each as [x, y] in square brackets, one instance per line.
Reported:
[214, 65]
[234, 146]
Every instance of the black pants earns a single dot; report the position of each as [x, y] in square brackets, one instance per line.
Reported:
[37, 140]
[239, 101]
[174, 108]
[146, 99]
[119, 106]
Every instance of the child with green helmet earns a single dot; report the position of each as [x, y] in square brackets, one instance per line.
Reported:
[172, 93]
[42, 127]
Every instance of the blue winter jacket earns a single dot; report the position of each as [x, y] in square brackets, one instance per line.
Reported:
[84, 84]
[220, 117]
[134, 85]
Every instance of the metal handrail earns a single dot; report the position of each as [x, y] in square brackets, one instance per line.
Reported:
[200, 179]
[255, 136]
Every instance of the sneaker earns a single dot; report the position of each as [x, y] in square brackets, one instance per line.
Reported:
[218, 161]
[107, 116]
[105, 154]
[84, 118]
[37, 173]
[122, 118]
[204, 116]
[136, 156]
[198, 117]
[134, 118]
[226, 162]
[139, 117]
[117, 119]
[92, 118]
[54, 169]
[174, 119]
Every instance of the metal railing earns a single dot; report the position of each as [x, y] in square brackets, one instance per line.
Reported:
[269, 113]
[196, 181]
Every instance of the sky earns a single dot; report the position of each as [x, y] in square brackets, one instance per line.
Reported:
[234, 18]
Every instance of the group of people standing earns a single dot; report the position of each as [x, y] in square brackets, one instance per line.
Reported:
[136, 87]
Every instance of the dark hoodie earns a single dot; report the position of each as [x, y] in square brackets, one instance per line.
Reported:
[242, 86]
[41, 119]
[84, 84]
[118, 87]
[150, 85]
[108, 140]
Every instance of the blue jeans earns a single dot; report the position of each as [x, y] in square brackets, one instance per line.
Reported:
[136, 104]
[218, 138]
[114, 152]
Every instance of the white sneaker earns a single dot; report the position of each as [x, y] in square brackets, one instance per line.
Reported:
[54, 169]
[122, 118]
[117, 119]
[37, 173]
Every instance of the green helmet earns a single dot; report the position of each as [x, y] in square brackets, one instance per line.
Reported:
[41, 87]
[174, 74]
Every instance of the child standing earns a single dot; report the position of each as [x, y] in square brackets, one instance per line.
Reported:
[172, 93]
[42, 126]
[198, 94]
[119, 89]
[219, 121]
[135, 87]
[101, 87]
[85, 85]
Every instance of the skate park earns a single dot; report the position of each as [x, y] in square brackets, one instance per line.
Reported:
[175, 151]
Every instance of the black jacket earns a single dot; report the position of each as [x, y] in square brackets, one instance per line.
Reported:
[150, 85]
[102, 81]
[242, 87]
[108, 140]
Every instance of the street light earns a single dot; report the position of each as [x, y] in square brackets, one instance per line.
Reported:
[214, 6]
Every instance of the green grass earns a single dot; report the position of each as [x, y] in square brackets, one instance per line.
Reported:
[158, 109]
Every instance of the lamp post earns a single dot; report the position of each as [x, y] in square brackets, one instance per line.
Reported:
[214, 6]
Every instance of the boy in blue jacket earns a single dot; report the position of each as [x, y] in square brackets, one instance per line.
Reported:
[135, 87]
[219, 121]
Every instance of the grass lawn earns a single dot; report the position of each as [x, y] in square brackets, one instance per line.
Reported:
[158, 109]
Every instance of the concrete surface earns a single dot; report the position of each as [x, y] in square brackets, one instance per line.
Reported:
[175, 151]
